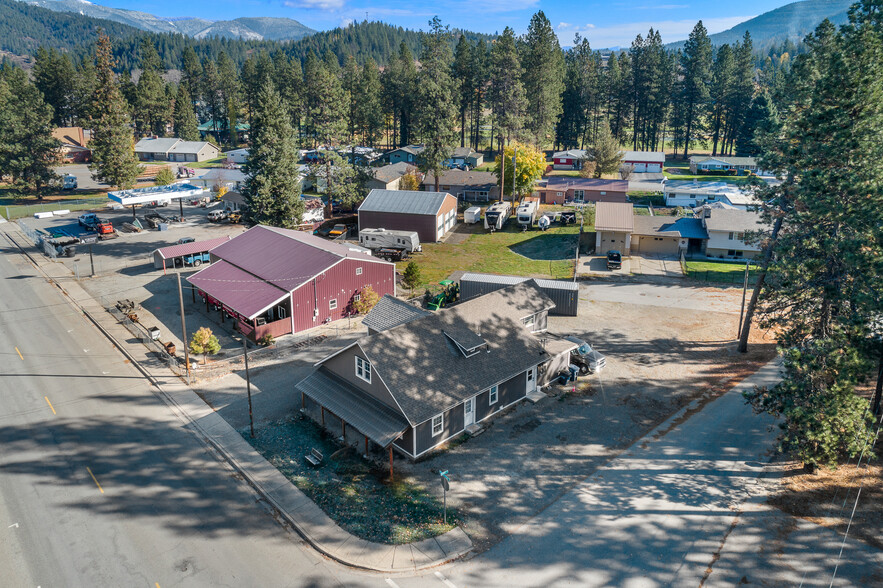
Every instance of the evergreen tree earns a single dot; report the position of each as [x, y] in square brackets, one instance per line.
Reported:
[463, 79]
[272, 188]
[506, 95]
[151, 105]
[581, 96]
[543, 79]
[185, 118]
[81, 99]
[210, 94]
[324, 102]
[436, 111]
[229, 96]
[54, 75]
[370, 108]
[742, 93]
[113, 148]
[351, 91]
[191, 74]
[606, 154]
[720, 93]
[696, 73]
[480, 84]
[761, 120]
[27, 148]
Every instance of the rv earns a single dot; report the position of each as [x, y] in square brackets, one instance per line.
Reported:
[383, 239]
[496, 215]
[526, 214]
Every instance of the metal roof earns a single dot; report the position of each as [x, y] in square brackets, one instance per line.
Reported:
[380, 423]
[191, 248]
[614, 216]
[143, 195]
[404, 202]
[666, 226]
[425, 372]
[285, 258]
[510, 280]
[644, 156]
[391, 312]
[237, 289]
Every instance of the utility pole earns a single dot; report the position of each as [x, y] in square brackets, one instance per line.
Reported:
[91, 260]
[248, 384]
[183, 327]
[514, 170]
[502, 173]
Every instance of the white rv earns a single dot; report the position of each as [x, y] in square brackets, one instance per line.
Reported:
[383, 239]
[496, 215]
[526, 214]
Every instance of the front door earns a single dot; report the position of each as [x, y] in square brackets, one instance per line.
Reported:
[469, 412]
[531, 379]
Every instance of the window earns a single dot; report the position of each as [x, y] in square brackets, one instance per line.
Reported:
[730, 237]
[494, 395]
[579, 193]
[358, 271]
[438, 425]
[603, 193]
[529, 321]
[740, 236]
[363, 369]
[693, 196]
[558, 193]
[732, 253]
[332, 304]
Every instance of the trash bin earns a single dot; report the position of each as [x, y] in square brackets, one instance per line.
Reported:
[163, 226]
[170, 348]
[154, 333]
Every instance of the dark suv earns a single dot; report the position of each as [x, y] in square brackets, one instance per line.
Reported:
[614, 260]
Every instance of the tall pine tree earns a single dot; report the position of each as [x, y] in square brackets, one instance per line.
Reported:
[543, 79]
[185, 118]
[696, 77]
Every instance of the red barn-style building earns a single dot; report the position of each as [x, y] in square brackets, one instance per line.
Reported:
[277, 281]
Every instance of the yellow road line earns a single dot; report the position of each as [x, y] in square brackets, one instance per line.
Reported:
[156, 584]
[50, 404]
[19, 354]
[94, 480]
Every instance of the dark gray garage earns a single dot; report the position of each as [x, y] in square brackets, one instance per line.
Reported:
[565, 295]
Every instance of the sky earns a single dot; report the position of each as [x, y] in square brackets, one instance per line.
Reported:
[605, 24]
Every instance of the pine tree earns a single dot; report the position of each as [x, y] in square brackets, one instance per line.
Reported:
[436, 111]
[151, 105]
[324, 102]
[761, 120]
[191, 74]
[543, 79]
[272, 188]
[463, 79]
[720, 93]
[113, 152]
[506, 95]
[54, 75]
[480, 84]
[350, 85]
[185, 118]
[606, 154]
[369, 109]
[27, 148]
[696, 72]
[742, 93]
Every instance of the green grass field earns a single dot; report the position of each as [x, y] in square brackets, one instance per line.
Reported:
[721, 272]
[547, 254]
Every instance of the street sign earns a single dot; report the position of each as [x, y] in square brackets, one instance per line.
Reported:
[446, 484]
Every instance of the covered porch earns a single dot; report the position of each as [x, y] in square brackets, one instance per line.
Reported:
[333, 402]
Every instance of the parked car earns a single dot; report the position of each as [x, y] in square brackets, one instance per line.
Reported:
[614, 260]
[337, 231]
[197, 259]
[88, 220]
[217, 216]
[184, 240]
[585, 358]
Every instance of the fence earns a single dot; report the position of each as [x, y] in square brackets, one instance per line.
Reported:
[25, 210]
[175, 363]
[38, 240]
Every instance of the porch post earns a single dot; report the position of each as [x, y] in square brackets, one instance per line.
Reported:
[322, 409]
[303, 401]
[390, 462]
[343, 430]
[366, 444]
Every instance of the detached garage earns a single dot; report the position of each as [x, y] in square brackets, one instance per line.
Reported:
[431, 214]
[565, 295]
[665, 235]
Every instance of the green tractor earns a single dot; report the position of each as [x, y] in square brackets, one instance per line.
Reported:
[450, 293]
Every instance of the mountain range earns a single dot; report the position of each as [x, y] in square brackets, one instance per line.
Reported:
[254, 29]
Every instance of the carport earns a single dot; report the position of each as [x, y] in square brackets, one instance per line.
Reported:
[174, 253]
[137, 196]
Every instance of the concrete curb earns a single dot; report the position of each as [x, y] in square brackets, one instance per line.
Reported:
[312, 524]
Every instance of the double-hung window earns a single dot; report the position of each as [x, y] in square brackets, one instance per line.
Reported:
[363, 369]
[494, 395]
[438, 425]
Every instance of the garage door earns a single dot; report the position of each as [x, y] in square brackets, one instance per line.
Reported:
[665, 245]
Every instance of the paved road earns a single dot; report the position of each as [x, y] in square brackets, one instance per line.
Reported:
[105, 487]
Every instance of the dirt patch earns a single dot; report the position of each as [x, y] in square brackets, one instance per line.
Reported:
[827, 498]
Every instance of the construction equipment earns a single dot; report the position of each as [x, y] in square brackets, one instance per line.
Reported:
[234, 217]
[449, 294]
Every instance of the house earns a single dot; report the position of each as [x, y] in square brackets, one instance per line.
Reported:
[644, 161]
[470, 186]
[667, 235]
[727, 230]
[424, 379]
[74, 141]
[561, 189]
[570, 159]
[389, 177]
[215, 178]
[273, 281]
[238, 156]
[391, 312]
[720, 165]
[614, 225]
[408, 154]
[218, 130]
[565, 294]
[694, 193]
[464, 156]
[430, 214]
[172, 149]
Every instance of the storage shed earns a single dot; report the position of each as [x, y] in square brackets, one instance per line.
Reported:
[168, 257]
[565, 295]
[430, 214]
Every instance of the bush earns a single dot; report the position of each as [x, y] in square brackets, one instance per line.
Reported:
[266, 340]
[367, 299]
[204, 343]
[164, 177]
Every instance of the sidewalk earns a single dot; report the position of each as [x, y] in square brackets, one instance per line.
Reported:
[309, 520]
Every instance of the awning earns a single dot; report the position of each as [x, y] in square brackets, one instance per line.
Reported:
[371, 417]
[238, 290]
[191, 248]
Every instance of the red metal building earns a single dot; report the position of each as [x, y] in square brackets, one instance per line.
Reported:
[277, 281]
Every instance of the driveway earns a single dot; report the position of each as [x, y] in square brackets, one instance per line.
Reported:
[84, 176]
[649, 264]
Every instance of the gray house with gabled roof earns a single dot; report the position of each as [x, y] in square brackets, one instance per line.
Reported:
[430, 214]
[420, 383]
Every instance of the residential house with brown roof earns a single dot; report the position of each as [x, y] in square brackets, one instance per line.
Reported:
[561, 189]
[74, 144]
[470, 186]
[389, 177]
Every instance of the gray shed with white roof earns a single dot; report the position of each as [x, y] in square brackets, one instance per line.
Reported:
[565, 295]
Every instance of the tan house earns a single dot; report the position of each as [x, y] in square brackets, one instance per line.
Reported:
[614, 225]
[471, 186]
[389, 177]
[561, 189]
[74, 141]
[172, 149]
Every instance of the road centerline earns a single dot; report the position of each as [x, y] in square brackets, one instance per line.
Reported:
[50, 405]
[19, 354]
[94, 479]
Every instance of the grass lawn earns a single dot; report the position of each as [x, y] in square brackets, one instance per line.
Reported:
[217, 162]
[547, 254]
[724, 272]
[683, 173]
[13, 205]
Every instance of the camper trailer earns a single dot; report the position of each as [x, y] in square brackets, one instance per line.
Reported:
[496, 215]
[383, 239]
[526, 214]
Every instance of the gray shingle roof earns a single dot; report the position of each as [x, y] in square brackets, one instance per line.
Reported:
[150, 145]
[722, 219]
[427, 374]
[666, 226]
[391, 312]
[459, 177]
[393, 171]
[188, 146]
[380, 423]
[403, 202]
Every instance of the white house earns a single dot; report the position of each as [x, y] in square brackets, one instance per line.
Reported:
[720, 164]
[694, 193]
[239, 156]
[645, 161]
[570, 159]
[727, 230]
